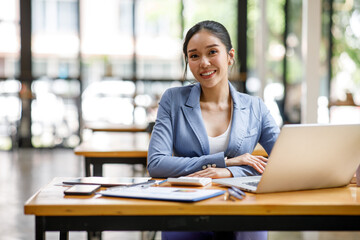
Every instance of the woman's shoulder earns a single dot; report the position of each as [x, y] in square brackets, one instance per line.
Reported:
[247, 100]
[178, 91]
[176, 96]
[254, 103]
[181, 89]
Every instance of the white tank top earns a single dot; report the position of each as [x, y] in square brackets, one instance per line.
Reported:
[220, 143]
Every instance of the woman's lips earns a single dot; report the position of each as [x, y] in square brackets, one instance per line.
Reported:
[207, 74]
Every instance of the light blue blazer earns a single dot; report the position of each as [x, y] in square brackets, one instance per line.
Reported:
[179, 143]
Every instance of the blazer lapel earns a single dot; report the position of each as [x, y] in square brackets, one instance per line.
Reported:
[239, 124]
[193, 115]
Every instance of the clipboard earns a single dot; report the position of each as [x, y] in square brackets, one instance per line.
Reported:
[163, 193]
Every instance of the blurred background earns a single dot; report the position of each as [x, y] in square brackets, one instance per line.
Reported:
[65, 63]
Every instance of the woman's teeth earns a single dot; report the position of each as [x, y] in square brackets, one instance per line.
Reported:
[207, 74]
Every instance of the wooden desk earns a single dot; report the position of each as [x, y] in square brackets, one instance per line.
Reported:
[325, 209]
[107, 127]
[113, 147]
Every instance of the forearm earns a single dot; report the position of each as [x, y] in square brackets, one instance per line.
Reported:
[232, 162]
[242, 171]
[170, 166]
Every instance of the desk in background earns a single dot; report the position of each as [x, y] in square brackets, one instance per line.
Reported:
[325, 209]
[113, 147]
[107, 127]
[259, 151]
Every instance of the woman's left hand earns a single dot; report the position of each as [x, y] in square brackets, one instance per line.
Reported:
[212, 173]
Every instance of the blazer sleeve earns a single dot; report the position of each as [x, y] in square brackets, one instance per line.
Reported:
[269, 129]
[161, 161]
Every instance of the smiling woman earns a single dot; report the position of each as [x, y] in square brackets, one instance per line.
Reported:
[208, 129]
[208, 112]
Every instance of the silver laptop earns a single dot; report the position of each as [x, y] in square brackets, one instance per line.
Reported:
[308, 156]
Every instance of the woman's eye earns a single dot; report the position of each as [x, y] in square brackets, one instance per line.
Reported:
[213, 51]
[194, 56]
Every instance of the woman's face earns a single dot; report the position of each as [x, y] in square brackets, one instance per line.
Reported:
[208, 59]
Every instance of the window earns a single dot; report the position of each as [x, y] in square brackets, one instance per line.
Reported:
[158, 39]
[10, 103]
[10, 38]
[55, 66]
[266, 52]
[345, 81]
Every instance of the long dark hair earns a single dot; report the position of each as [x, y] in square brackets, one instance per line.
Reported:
[213, 27]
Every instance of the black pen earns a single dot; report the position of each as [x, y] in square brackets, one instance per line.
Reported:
[238, 191]
[234, 194]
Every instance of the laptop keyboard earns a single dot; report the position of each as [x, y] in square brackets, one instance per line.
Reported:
[252, 183]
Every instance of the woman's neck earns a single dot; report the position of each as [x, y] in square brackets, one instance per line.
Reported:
[218, 95]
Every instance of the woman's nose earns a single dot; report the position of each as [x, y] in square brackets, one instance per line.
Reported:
[204, 62]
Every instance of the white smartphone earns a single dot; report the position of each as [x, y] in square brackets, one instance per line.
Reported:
[190, 181]
[81, 189]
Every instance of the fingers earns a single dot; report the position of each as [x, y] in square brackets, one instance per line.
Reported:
[259, 158]
[258, 166]
[257, 162]
[195, 174]
[204, 173]
[212, 173]
[264, 159]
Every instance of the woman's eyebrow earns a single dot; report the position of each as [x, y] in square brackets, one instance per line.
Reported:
[208, 46]
[212, 45]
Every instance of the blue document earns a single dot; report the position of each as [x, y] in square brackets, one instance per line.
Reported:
[163, 193]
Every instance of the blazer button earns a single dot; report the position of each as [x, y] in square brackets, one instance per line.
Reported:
[213, 165]
[209, 165]
[204, 167]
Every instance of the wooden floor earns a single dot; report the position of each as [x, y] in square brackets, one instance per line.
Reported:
[23, 172]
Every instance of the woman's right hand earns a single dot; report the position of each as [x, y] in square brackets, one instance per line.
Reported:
[257, 162]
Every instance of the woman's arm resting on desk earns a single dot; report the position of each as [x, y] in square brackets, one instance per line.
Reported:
[212, 173]
[257, 162]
